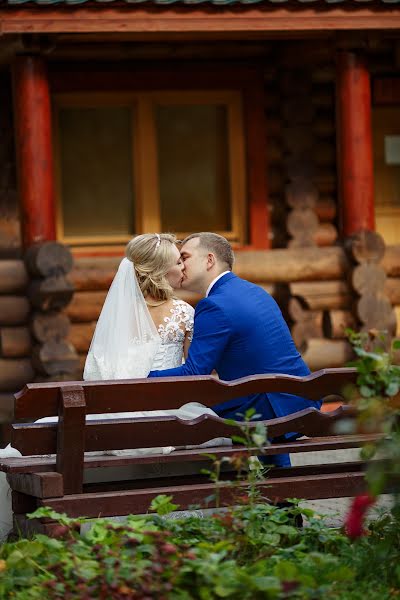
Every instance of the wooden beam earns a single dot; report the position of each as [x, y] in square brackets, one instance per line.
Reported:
[71, 437]
[355, 143]
[330, 485]
[40, 485]
[207, 20]
[32, 111]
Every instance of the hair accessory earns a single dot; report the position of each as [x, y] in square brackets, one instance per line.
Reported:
[158, 240]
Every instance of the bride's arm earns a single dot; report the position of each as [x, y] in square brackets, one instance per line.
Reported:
[189, 326]
[211, 336]
[186, 344]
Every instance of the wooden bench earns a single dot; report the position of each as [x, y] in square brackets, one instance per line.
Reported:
[55, 455]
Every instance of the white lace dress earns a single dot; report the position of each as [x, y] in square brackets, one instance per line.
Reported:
[172, 333]
[170, 354]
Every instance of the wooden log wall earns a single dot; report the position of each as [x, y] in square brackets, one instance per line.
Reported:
[15, 339]
[300, 116]
[301, 195]
[304, 200]
[373, 308]
[49, 292]
[369, 297]
[33, 331]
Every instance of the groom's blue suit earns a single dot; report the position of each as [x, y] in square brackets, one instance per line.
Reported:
[239, 331]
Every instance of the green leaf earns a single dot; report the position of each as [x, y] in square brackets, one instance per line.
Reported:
[271, 539]
[286, 570]
[249, 414]
[162, 505]
[33, 548]
[367, 451]
[392, 389]
[239, 440]
[272, 585]
[258, 439]
[366, 391]
[49, 513]
[14, 558]
[231, 422]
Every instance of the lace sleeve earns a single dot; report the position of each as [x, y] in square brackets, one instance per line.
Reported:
[190, 322]
[188, 319]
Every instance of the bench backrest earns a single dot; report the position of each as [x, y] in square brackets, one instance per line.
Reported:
[71, 401]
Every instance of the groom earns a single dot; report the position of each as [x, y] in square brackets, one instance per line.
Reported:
[238, 331]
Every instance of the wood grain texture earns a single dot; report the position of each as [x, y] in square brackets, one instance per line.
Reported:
[334, 485]
[156, 22]
[41, 400]
[71, 437]
[34, 149]
[40, 485]
[119, 434]
[355, 143]
[35, 464]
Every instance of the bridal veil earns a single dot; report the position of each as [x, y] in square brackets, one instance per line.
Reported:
[125, 340]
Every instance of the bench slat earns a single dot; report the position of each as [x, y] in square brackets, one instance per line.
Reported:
[41, 485]
[46, 463]
[145, 432]
[336, 485]
[196, 478]
[23, 503]
[41, 400]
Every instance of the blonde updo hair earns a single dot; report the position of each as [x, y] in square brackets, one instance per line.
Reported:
[152, 258]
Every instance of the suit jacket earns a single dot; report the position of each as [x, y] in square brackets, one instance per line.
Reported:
[239, 330]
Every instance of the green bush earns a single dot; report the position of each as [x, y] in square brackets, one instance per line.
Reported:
[251, 552]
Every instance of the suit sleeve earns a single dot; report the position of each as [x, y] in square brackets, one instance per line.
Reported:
[210, 337]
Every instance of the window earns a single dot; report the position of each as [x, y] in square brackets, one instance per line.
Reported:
[149, 161]
[386, 136]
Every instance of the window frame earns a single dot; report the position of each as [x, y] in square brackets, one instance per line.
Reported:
[243, 76]
[145, 162]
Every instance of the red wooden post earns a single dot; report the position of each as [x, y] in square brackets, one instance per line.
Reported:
[353, 107]
[32, 113]
[259, 222]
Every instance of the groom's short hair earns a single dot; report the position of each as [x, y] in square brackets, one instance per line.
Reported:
[217, 244]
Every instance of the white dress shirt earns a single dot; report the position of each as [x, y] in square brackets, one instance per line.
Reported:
[215, 281]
